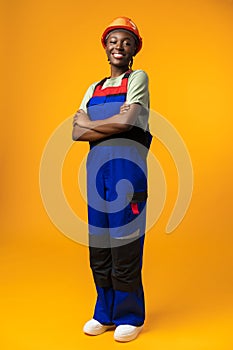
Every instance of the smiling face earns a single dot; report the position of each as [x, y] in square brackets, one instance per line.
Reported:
[120, 48]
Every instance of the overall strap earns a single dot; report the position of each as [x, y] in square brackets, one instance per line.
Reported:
[112, 90]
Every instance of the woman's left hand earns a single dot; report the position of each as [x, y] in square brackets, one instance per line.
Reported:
[124, 108]
[81, 118]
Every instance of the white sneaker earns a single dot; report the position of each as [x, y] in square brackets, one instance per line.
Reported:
[94, 327]
[126, 332]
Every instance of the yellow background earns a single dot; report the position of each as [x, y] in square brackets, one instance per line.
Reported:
[51, 52]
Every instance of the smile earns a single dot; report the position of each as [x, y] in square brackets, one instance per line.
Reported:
[117, 55]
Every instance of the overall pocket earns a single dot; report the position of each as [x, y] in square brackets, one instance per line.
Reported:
[136, 204]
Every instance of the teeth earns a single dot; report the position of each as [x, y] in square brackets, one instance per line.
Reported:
[117, 55]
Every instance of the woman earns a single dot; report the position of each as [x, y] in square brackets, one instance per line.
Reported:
[113, 117]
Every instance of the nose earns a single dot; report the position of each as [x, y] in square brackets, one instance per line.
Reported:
[119, 45]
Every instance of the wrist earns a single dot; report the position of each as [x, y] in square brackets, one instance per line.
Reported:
[91, 124]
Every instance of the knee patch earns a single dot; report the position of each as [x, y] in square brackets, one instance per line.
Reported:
[101, 265]
[127, 263]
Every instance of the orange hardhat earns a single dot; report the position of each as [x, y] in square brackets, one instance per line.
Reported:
[126, 24]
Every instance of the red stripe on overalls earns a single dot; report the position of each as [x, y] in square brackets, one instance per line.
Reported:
[112, 90]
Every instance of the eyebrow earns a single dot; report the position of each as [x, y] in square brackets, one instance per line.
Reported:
[115, 37]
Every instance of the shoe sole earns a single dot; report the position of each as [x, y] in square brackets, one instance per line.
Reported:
[100, 331]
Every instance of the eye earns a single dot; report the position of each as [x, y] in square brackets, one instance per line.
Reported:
[112, 41]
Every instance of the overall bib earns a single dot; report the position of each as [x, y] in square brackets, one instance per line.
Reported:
[117, 194]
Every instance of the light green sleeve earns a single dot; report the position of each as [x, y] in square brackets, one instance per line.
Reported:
[87, 97]
[138, 92]
[138, 88]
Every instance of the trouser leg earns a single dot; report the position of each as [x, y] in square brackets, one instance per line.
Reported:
[104, 305]
[117, 276]
[129, 307]
[101, 265]
[129, 304]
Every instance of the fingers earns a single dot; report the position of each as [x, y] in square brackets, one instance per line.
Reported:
[124, 108]
[80, 111]
[80, 118]
[75, 118]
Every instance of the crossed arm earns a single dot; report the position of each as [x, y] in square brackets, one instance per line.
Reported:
[85, 129]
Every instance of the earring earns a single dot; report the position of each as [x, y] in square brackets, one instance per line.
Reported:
[131, 63]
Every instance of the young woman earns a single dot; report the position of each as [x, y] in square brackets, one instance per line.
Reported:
[113, 117]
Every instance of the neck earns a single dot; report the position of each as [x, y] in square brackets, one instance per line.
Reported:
[116, 71]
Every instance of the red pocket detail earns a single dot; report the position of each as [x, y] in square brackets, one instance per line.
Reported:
[134, 207]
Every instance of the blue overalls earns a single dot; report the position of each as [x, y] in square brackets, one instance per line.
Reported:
[117, 193]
